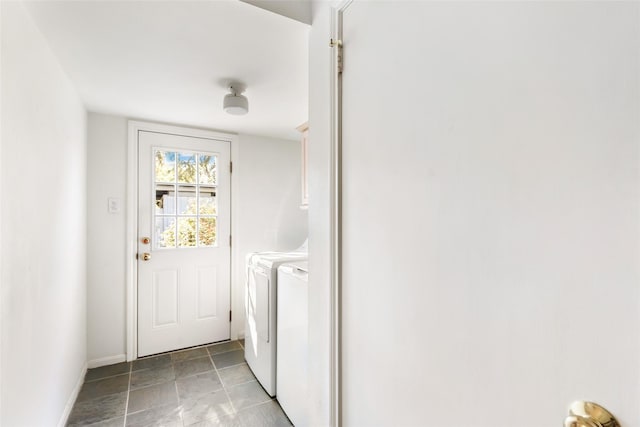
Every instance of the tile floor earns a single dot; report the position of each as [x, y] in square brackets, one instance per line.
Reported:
[200, 387]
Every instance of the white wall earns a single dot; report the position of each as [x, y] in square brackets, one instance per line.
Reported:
[491, 271]
[319, 216]
[266, 198]
[106, 237]
[43, 282]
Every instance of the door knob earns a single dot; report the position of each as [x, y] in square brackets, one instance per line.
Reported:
[146, 256]
[576, 421]
[589, 414]
[145, 240]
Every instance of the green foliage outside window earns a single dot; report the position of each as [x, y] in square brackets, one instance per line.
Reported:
[187, 228]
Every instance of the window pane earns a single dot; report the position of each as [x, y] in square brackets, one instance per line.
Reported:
[208, 201]
[187, 232]
[207, 233]
[187, 168]
[165, 232]
[165, 199]
[165, 166]
[187, 201]
[207, 169]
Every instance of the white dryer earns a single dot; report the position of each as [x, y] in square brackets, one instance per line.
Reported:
[261, 312]
[293, 341]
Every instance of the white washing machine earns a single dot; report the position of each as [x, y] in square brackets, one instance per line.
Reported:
[261, 312]
[293, 341]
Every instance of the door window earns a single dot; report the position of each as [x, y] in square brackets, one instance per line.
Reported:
[185, 199]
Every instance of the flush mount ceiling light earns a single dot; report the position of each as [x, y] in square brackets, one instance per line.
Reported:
[235, 103]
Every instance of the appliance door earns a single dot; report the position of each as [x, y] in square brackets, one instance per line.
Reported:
[263, 308]
[257, 303]
[259, 350]
[292, 351]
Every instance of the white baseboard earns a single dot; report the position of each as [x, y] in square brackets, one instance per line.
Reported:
[72, 399]
[104, 361]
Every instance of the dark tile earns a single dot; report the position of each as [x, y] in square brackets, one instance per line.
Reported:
[235, 375]
[225, 421]
[230, 358]
[247, 394]
[107, 371]
[147, 377]
[103, 387]
[210, 406]
[268, 414]
[197, 385]
[186, 368]
[99, 409]
[165, 416]
[113, 422]
[150, 397]
[189, 354]
[224, 347]
[152, 362]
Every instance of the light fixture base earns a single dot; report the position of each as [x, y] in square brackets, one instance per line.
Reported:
[236, 88]
[234, 102]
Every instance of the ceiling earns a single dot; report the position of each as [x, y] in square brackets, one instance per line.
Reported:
[300, 10]
[170, 61]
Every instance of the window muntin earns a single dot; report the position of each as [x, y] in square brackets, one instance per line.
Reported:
[185, 213]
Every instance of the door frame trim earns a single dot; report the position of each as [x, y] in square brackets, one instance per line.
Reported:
[131, 265]
[336, 216]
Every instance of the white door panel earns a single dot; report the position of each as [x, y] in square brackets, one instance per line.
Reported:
[206, 292]
[184, 208]
[164, 298]
[490, 163]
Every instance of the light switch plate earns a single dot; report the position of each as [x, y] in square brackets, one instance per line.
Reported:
[115, 205]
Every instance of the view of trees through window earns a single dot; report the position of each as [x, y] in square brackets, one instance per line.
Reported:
[185, 198]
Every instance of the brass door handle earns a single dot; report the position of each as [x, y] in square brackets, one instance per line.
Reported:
[146, 256]
[589, 414]
[576, 421]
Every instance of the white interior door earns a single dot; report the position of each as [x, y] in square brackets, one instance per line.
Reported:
[183, 241]
[490, 212]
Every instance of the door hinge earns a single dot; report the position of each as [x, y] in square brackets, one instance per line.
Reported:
[338, 45]
[229, 315]
[230, 167]
[230, 240]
